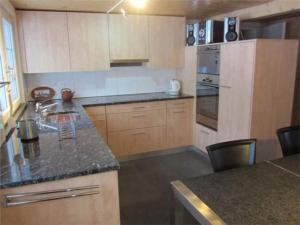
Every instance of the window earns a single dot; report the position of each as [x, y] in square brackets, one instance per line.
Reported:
[3, 96]
[8, 67]
[11, 59]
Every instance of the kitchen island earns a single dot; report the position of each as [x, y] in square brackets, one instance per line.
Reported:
[267, 193]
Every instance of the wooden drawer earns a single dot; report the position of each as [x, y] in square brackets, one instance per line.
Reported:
[134, 120]
[179, 127]
[95, 110]
[204, 137]
[135, 107]
[101, 206]
[137, 140]
[181, 103]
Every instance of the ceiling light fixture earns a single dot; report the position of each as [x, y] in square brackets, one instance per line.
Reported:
[138, 3]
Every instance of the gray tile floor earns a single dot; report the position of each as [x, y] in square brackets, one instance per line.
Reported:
[145, 192]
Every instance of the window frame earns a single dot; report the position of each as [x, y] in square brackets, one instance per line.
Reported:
[18, 73]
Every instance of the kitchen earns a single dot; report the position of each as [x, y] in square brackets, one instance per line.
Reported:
[111, 112]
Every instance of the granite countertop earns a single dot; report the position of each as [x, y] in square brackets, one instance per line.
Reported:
[124, 99]
[262, 194]
[49, 159]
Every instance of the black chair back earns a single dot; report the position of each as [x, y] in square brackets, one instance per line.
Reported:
[232, 154]
[289, 138]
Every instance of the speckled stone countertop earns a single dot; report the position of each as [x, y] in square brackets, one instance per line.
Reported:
[49, 159]
[262, 194]
[124, 99]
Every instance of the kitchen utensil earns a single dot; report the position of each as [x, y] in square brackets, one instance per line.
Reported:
[28, 130]
[175, 87]
[67, 94]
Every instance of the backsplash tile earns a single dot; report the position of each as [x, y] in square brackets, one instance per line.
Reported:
[117, 81]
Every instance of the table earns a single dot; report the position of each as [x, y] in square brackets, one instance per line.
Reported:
[267, 193]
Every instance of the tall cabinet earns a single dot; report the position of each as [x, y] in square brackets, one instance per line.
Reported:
[257, 81]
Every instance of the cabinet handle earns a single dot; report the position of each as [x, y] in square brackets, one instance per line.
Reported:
[11, 200]
[140, 107]
[138, 133]
[180, 103]
[137, 116]
[179, 112]
[225, 86]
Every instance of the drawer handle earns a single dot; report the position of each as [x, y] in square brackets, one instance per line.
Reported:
[140, 107]
[179, 111]
[138, 133]
[137, 116]
[225, 86]
[11, 200]
[179, 103]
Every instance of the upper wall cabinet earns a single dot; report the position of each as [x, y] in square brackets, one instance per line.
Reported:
[88, 40]
[166, 41]
[44, 39]
[129, 37]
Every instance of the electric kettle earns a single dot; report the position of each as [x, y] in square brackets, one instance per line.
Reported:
[175, 87]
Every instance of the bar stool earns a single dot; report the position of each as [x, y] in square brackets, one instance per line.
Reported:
[289, 138]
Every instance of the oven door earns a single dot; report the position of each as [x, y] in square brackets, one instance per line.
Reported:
[207, 105]
[208, 62]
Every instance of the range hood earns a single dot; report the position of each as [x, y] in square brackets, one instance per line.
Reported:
[128, 62]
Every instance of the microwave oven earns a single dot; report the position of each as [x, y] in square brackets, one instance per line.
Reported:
[208, 60]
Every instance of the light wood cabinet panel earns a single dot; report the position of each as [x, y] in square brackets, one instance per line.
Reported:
[45, 41]
[135, 107]
[129, 37]
[89, 45]
[204, 137]
[98, 208]
[137, 141]
[166, 42]
[236, 90]
[134, 120]
[98, 116]
[179, 127]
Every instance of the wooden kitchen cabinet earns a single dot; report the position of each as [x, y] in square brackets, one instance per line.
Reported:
[99, 203]
[179, 123]
[136, 141]
[128, 37]
[205, 137]
[166, 42]
[98, 116]
[44, 41]
[257, 80]
[89, 44]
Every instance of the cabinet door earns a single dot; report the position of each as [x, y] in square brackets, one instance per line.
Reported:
[179, 126]
[88, 37]
[128, 37]
[204, 137]
[96, 201]
[45, 37]
[236, 90]
[166, 41]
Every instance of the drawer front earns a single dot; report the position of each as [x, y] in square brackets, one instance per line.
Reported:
[136, 107]
[98, 202]
[179, 127]
[181, 103]
[95, 110]
[205, 137]
[137, 140]
[134, 120]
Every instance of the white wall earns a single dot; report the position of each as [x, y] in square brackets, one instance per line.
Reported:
[117, 81]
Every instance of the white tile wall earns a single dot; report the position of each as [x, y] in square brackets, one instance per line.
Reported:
[117, 81]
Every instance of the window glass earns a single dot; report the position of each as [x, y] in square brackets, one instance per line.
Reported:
[11, 59]
[3, 102]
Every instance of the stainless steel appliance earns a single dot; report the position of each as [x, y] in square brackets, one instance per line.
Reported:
[208, 86]
[28, 129]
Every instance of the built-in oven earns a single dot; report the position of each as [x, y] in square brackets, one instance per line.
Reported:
[208, 86]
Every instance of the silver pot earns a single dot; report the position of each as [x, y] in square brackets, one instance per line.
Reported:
[28, 129]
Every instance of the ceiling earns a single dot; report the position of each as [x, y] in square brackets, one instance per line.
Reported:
[192, 9]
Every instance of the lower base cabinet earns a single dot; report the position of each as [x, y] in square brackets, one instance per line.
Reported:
[97, 205]
[137, 140]
[204, 137]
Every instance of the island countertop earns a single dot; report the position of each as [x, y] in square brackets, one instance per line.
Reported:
[267, 193]
[49, 159]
